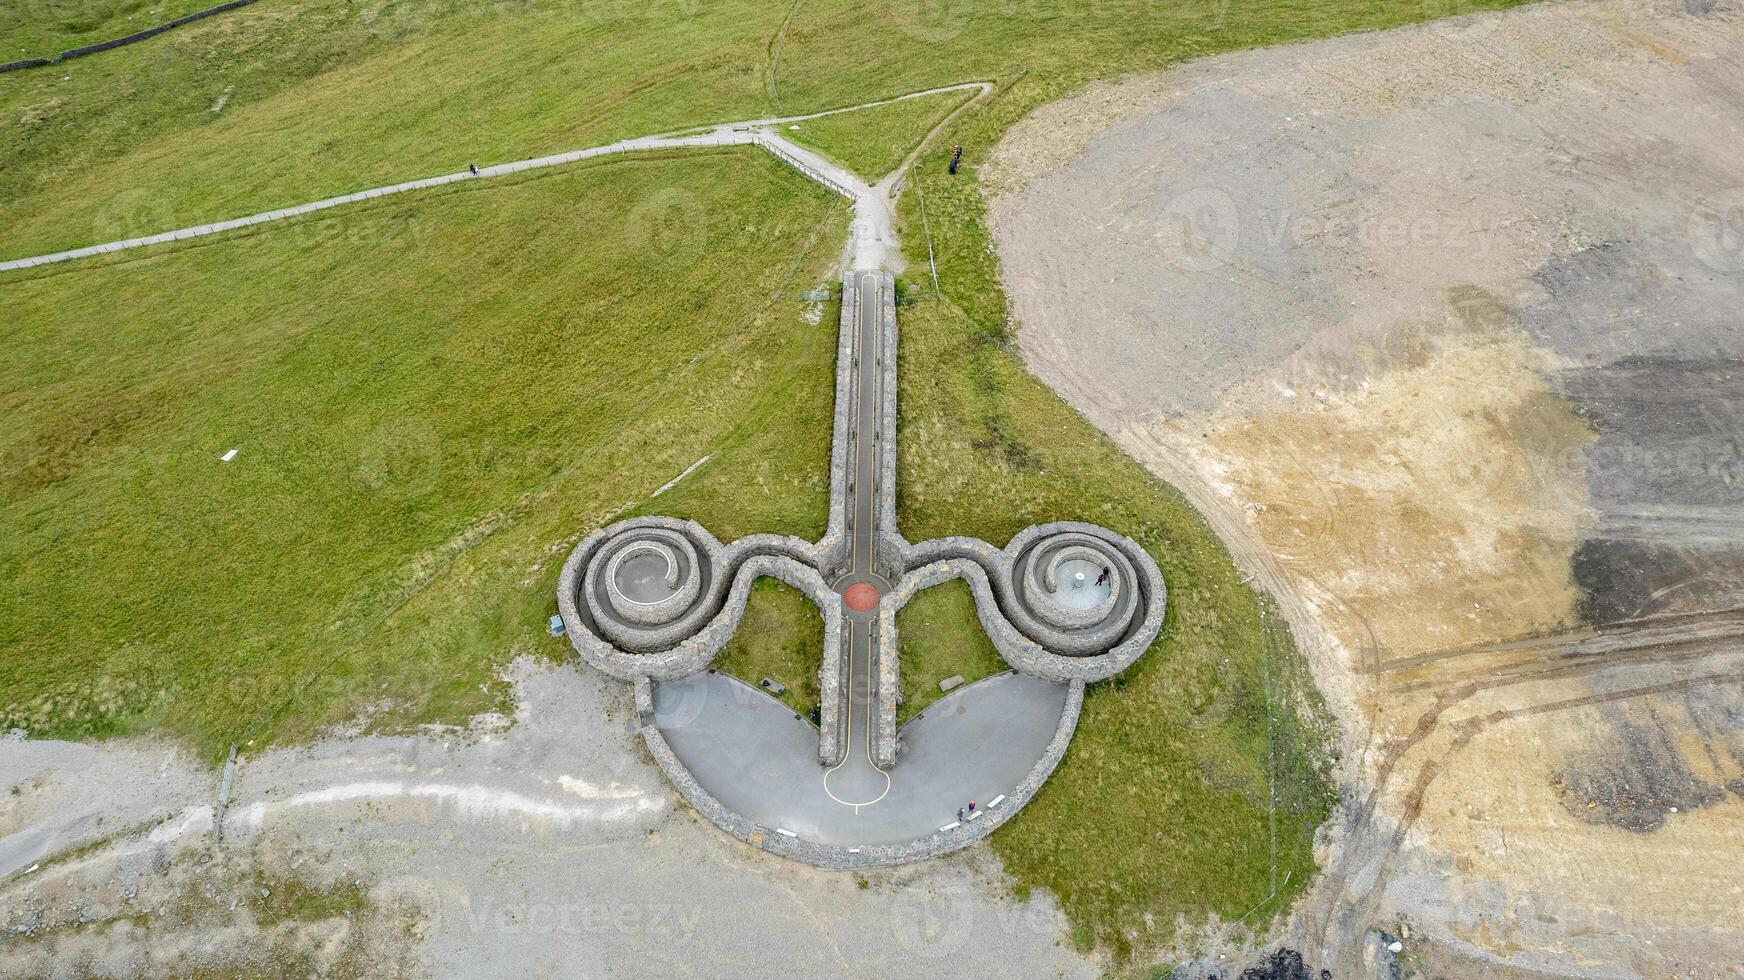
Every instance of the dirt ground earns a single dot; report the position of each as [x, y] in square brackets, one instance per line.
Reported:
[544, 849]
[1443, 328]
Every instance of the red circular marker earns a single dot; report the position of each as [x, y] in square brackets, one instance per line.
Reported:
[861, 597]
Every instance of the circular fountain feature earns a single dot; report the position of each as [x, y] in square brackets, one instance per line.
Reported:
[1085, 585]
[1074, 588]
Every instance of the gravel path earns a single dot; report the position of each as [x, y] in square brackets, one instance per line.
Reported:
[873, 243]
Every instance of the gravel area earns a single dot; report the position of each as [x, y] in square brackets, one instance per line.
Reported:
[545, 847]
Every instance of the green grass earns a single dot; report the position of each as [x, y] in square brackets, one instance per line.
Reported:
[781, 636]
[939, 636]
[1161, 806]
[45, 28]
[432, 398]
[871, 142]
[328, 96]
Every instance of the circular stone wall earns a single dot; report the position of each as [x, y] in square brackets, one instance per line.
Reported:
[1074, 591]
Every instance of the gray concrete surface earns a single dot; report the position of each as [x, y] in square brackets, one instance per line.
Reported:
[760, 759]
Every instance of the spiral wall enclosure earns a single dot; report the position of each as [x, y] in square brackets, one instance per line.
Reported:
[699, 591]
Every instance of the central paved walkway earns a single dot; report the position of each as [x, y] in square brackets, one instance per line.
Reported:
[857, 781]
[755, 756]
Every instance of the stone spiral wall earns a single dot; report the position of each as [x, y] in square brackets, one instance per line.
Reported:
[1027, 642]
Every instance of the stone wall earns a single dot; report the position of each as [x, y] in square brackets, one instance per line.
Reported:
[149, 32]
[692, 648]
[989, 572]
[833, 547]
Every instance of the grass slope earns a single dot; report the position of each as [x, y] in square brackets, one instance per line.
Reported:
[939, 636]
[1197, 778]
[353, 350]
[431, 399]
[871, 142]
[326, 96]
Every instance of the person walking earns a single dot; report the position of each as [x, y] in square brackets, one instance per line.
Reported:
[473, 168]
[959, 814]
[1103, 577]
[971, 806]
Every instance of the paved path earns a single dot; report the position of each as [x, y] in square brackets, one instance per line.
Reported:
[758, 758]
[857, 780]
[755, 132]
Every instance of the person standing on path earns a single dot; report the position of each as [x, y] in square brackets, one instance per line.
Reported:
[959, 814]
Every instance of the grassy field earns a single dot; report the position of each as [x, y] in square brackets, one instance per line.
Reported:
[434, 396]
[939, 637]
[781, 636]
[872, 142]
[44, 28]
[292, 100]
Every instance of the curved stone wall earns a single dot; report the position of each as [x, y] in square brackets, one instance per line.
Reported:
[136, 36]
[990, 573]
[716, 588]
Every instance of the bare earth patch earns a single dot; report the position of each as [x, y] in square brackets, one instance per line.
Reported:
[1440, 328]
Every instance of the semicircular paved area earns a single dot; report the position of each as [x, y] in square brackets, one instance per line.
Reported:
[757, 757]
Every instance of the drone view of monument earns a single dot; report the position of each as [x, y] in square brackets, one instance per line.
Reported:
[746, 488]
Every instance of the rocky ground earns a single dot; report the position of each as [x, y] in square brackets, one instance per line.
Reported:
[549, 848]
[1441, 328]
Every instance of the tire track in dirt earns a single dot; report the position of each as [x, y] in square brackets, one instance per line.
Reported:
[1338, 912]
